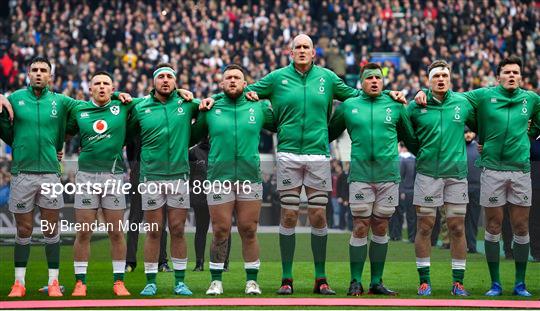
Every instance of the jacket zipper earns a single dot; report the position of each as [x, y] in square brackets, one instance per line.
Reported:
[372, 156]
[505, 135]
[304, 78]
[440, 141]
[39, 134]
[235, 142]
[168, 136]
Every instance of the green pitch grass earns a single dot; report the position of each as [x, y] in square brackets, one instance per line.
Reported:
[400, 271]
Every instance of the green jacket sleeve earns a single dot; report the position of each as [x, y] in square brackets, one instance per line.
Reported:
[194, 106]
[132, 128]
[199, 129]
[534, 129]
[342, 91]
[6, 130]
[474, 97]
[337, 123]
[471, 117]
[263, 87]
[406, 131]
[269, 119]
[72, 128]
[70, 103]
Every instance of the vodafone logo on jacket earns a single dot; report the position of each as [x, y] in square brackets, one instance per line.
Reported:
[100, 126]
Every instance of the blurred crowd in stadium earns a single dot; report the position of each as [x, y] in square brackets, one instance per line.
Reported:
[129, 38]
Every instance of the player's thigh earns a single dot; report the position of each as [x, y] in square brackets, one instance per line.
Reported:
[519, 219]
[221, 216]
[520, 189]
[456, 191]
[114, 218]
[22, 196]
[428, 191]
[290, 171]
[248, 212]
[44, 199]
[318, 173]
[24, 223]
[493, 186]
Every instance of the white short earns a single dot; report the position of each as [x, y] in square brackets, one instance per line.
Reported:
[254, 193]
[381, 193]
[26, 191]
[174, 193]
[108, 199]
[295, 170]
[433, 192]
[499, 187]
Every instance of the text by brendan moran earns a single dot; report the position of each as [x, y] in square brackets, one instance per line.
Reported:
[122, 225]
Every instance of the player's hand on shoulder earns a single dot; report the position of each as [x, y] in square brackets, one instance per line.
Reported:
[125, 98]
[206, 104]
[185, 94]
[252, 96]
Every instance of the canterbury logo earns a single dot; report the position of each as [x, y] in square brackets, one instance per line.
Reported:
[493, 199]
[428, 199]
[151, 202]
[217, 196]
[359, 196]
[86, 201]
[286, 181]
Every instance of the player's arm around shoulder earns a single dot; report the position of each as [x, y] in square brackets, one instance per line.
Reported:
[337, 124]
[406, 131]
[270, 121]
[199, 129]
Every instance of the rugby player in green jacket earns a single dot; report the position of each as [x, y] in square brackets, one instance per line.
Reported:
[234, 125]
[503, 113]
[163, 121]
[101, 123]
[38, 135]
[441, 179]
[375, 123]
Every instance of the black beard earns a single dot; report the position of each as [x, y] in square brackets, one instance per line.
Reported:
[166, 95]
[233, 96]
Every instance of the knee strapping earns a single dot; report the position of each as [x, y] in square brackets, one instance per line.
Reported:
[426, 211]
[456, 210]
[382, 211]
[318, 199]
[363, 210]
[290, 199]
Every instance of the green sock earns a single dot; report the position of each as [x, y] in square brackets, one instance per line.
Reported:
[458, 275]
[357, 258]
[80, 277]
[493, 258]
[21, 254]
[216, 274]
[118, 276]
[52, 252]
[251, 274]
[521, 255]
[151, 278]
[377, 257]
[287, 244]
[318, 248]
[424, 275]
[179, 276]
